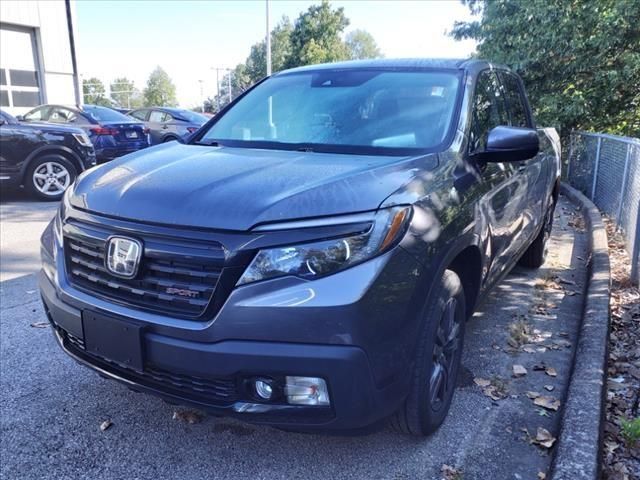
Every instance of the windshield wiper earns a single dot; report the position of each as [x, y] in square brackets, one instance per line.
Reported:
[209, 143]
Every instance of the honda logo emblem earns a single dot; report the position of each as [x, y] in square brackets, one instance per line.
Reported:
[123, 256]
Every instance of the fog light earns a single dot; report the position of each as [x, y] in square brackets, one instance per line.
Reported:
[264, 389]
[306, 391]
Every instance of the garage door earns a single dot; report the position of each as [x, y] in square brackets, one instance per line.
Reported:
[19, 77]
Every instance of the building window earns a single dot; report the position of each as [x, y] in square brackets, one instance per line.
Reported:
[20, 83]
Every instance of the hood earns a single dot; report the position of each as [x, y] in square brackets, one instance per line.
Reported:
[236, 189]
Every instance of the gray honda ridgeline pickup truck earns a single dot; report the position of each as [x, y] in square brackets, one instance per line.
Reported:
[309, 258]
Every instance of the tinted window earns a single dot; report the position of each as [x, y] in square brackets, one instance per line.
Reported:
[35, 115]
[140, 114]
[4, 98]
[25, 99]
[515, 101]
[158, 116]
[104, 114]
[488, 111]
[3, 76]
[192, 117]
[23, 78]
[376, 111]
[62, 115]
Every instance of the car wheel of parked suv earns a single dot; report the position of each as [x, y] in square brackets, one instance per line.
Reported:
[536, 254]
[49, 176]
[437, 360]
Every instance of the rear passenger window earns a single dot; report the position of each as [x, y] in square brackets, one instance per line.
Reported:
[488, 111]
[140, 114]
[157, 116]
[515, 101]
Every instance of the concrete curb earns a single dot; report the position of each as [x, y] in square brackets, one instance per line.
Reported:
[579, 444]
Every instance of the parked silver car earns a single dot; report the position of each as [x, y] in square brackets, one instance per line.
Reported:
[167, 124]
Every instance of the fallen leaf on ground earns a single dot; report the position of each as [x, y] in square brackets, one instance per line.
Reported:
[40, 324]
[450, 473]
[542, 476]
[549, 388]
[549, 403]
[532, 395]
[482, 382]
[188, 416]
[105, 425]
[544, 438]
[551, 372]
[519, 371]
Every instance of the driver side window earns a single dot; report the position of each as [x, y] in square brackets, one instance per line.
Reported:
[488, 110]
[35, 115]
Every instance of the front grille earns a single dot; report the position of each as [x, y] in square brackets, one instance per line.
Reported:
[215, 391]
[175, 277]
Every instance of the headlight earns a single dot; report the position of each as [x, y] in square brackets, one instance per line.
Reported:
[82, 139]
[314, 260]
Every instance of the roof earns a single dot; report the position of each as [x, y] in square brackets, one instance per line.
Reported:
[418, 63]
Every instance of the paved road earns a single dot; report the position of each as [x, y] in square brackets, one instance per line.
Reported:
[51, 408]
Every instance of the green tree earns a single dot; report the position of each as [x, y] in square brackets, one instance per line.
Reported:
[160, 90]
[579, 59]
[256, 63]
[94, 92]
[361, 44]
[125, 94]
[316, 36]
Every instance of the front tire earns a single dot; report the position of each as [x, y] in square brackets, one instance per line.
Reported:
[438, 358]
[536, 254]
[49, 176]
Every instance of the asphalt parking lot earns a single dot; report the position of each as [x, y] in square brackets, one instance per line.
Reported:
[51, 408]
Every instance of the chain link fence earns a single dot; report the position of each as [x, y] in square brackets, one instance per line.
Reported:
[606, 168]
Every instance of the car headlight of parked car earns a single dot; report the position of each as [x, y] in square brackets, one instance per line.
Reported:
[317, 259]
[82, 139]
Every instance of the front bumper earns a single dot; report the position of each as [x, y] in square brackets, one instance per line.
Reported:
[172, 367]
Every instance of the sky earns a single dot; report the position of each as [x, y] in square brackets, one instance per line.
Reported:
[189, 39]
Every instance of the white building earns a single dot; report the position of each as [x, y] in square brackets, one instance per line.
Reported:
[37, 54]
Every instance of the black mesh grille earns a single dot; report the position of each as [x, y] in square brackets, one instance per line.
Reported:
[209, 390]
[173, 278]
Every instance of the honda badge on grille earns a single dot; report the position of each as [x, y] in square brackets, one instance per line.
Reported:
[123, 256]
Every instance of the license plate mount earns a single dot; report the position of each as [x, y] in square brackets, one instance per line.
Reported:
[131, 134]
[113, 339]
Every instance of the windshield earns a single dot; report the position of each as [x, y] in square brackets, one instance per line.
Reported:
[104, 114]
[376, 111]
[192, 117]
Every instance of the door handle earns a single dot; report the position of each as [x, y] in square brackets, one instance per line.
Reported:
[164, 127]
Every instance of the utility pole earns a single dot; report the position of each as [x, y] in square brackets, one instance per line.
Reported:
[268, 39]
[217, 90]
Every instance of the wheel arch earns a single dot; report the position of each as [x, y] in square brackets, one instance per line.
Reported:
[465, 258]
[51, 149]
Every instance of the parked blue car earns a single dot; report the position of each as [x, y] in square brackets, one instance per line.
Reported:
[112, 133]
[167, 124]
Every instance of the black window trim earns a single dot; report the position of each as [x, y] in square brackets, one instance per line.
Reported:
[521, 92]
[489, 70]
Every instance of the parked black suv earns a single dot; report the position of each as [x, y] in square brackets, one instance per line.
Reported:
[46, 159]
[310, 257]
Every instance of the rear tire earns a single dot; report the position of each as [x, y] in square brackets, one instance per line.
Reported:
[48, 176]
[536, 254]
[438, 357]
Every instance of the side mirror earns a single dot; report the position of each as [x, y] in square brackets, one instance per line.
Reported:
[20, 118]
[2, 121]
[510, 144]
